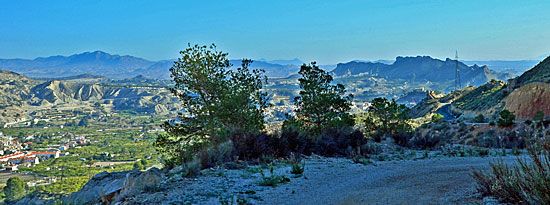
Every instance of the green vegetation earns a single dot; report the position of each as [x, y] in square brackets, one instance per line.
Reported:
[14, 189]
[506, 118]
[272, 179]
[480, 119]
[437, 117]
[526, 183]
[483, 97]
[387, 118]
[539, 116]
[320, 104]
[216, 102]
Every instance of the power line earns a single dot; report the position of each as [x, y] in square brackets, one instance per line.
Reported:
[458, 85]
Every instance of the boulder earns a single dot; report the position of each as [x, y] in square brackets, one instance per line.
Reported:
[107, 188]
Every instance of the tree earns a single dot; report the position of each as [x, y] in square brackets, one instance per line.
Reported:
[143, 162]
[138, 166]
[437, 117]
[388, 118]
[320, 103]
[216, 101]
[14, 189]
[506, 118]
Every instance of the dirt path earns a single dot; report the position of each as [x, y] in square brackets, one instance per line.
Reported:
[337, 181]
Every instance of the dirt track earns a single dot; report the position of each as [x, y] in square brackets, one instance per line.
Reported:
[337, 181]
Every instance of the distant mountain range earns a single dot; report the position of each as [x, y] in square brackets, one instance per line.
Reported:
[421, 69]
[104, 64]
[120, 67]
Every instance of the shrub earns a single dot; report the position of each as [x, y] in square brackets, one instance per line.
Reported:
[437, 117]
[480, 119]
[428, 141]
[138, 166]
[525, 183]
[272, 179]
[216, 155]
[249, 146]
[492, 123]
[506, 118]
[14, 189]
[295, 165]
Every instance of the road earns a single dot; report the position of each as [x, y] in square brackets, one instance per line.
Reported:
[431, 181]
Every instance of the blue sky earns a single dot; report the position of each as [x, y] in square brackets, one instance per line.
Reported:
[325, 31]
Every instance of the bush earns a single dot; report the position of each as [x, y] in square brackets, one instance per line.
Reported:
[295, 165]
[428, 141]
[138, 166]
[506, 118]
[272, 179]
[526, 183]
[14, 189]
[437, 117]
[480, 119]
[216, 155]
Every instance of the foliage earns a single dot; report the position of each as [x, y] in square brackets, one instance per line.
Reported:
[250, 146]
[526, 183]
[215, 100]
[388, 118]
[321, 104]
[272, 179]
[296, 168]
[480, 119]
[437, 117]
[216, 155]
[14, 189]
[138, 166]
[506, 118]
[538, 116]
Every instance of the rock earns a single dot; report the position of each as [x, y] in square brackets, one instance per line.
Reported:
[101, 175]
[176, 170]
[102, 188]
[139, 181]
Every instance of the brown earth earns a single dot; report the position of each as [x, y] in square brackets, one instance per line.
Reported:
[525, 101]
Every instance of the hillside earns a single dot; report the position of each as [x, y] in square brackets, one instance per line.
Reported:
[524, 96]
[20, 95]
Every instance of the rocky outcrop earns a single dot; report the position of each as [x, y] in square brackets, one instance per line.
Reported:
[107, 188]
[525, 101]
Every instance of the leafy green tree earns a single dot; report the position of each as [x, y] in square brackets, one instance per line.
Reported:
[320, 103]
[14, 189]
[506, 118]
[216, 101]
[388, 118]
[138, 166]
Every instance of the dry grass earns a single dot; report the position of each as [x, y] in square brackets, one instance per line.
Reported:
[528, 182]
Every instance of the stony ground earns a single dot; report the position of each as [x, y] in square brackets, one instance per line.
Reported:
[332, 181]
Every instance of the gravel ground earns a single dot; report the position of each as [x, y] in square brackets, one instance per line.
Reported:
[334, 181]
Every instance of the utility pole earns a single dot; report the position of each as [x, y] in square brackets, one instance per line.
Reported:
[458, 86]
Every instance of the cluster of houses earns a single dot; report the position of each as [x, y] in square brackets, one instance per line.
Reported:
[8, 144]
[27, 159]
[17, 158]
